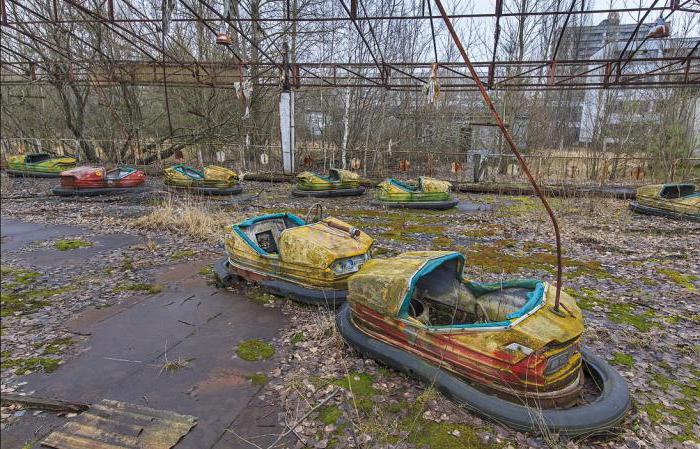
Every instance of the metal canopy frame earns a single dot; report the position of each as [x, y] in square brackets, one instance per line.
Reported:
[160, 60]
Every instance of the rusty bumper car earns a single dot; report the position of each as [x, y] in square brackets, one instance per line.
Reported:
[337, 183]
[285, 255]
[427, 193]
[39, 165]
[678, 201]
[500, 349]
[93, 181]
[213, 180]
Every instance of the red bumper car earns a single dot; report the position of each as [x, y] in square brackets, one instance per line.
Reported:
[91, 181]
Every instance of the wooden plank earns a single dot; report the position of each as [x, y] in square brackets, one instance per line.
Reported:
[34, 402]
[61, 440]
[105, 435]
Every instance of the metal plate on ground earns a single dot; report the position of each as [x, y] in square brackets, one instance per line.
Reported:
[118, 425]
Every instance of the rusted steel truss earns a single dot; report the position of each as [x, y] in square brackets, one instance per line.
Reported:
[156, 59]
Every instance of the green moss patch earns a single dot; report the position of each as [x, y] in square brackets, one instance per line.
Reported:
[16, 277]
[254, 350]
[23, 366]
[17, 294]
[502, 257]
[361, 386]
[619, 358]
[298, 337]
[441, 243]
[206, 271]
[261, 297]
[586, 298]
[69, 244]
[684, 280]
[182, 254]
[329, 414]
[444, 436]
[257, 379]
[57, 346]
[151, 289]
[626, 314]
[684, 412]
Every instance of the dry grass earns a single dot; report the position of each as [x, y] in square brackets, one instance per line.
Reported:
[174, 365]
[193, 220]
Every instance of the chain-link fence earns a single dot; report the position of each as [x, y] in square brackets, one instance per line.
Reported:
[550, 168]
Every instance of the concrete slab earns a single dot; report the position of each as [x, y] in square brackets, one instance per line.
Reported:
[123, 359]
[17, 234]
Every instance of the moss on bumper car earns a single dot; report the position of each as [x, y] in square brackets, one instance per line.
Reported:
[499, 348]
[310, 263]
[337, 183]
[40, 165]
[213, 180]
[426, 193]
[678, 201]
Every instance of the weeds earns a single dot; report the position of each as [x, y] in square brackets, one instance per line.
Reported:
[189, 219]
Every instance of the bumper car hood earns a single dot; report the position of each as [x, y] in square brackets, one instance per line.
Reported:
[322, 243]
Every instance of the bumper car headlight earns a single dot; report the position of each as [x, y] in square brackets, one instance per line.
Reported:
[558, 361]
[348, 265]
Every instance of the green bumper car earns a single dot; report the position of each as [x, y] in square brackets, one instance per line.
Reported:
[427, 193]
[39, 165]
[337, 183]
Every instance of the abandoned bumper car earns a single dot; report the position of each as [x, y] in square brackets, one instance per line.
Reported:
[308, 262]
[40, 165]
[213, 180]
[91, 181]
[427, 193]
[681, 201]
[500, 349]
[337, 183]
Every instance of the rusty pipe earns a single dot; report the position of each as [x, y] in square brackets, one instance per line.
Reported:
[511, 144]
[354, 232]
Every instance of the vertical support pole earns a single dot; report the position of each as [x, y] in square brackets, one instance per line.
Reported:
[110, 10]
[286, 109]
[353, 9]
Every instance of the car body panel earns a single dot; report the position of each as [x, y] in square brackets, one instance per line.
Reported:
[99, 177]
[39, 163]
[305, 251]
[508, 356]
[337, 179]
[426, 189]
[682, 199]
[212, 176]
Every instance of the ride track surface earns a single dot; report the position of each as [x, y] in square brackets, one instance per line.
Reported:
[626, 271]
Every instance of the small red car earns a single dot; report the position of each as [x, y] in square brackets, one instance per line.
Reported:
[88, 181]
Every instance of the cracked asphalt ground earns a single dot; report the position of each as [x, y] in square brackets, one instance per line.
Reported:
[636, 277]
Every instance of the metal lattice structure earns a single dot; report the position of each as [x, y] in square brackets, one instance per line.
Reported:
[34, 33]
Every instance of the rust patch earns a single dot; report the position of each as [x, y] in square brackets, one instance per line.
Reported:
[220, 380]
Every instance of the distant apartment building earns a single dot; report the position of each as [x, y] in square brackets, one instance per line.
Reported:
[585, 42]
[621, 114]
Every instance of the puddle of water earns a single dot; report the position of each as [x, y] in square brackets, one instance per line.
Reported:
[468, 206]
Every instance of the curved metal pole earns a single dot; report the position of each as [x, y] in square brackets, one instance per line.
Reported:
[509, 139]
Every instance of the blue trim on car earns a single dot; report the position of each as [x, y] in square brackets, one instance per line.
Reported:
[535, 297]
[401, 185]
[427, 268]
[251, 221]
[182, 168]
